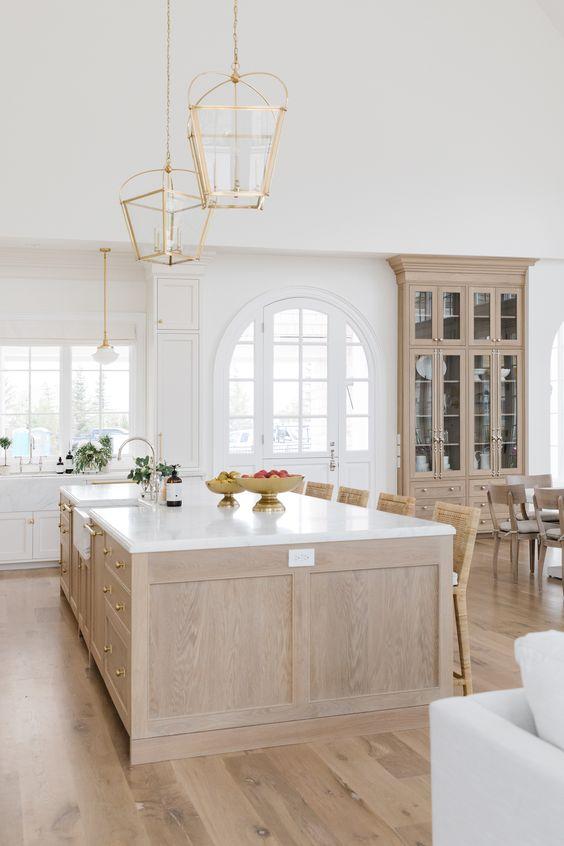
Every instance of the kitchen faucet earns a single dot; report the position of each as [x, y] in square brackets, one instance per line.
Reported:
[31, 448]
[153, 480]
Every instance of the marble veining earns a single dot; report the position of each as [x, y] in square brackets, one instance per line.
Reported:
[199, 524]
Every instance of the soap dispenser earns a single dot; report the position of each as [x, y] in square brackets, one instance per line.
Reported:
[174, 489]
[60, 466]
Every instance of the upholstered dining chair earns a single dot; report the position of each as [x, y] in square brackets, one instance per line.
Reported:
[550, 533]
[540, 480]
[353, 496]
[515, 528]
[320, 490]
[465, 520]
[396, 504]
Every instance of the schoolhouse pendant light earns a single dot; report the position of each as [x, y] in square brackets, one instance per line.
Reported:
[105, 353]
[165, 215]
[234, 130]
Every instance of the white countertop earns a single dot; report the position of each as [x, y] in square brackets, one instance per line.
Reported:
[90, 496]
[200, 524]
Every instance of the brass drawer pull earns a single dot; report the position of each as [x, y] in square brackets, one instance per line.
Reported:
[120, 565]
[64, 531]
[93, 532]
[120, 606]
[107, 551]
[65, 507]
[108, 649]
[120, 672]
[107, 589]
[64, 570]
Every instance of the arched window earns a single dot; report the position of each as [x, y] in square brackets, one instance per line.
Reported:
[297, 393]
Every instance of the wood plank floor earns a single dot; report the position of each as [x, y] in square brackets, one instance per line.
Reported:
[64, 776]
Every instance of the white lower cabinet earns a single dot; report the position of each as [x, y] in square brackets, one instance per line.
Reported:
[46, 535]
[29, 536]
[16, 537]
[177, 398]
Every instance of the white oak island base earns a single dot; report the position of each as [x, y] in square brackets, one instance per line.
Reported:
[225, 647]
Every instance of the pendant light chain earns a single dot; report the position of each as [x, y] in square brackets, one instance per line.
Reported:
[235, 65]
[168, 27]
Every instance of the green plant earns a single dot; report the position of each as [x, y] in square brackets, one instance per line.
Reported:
[5, 444]
[165, 469]
[90, 456]
[142, 470]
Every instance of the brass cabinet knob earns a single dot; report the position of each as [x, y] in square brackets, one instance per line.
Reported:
[108, 648]
[424, 507]
[63, 569]
[483, 504]
[107, 589]
[64, 531]
[424, 490]
[482, 521]
[483, 488]
[120, 565]
[120, 606]
[160, 320]
[451, 489]
[107, 551]
[120, 672]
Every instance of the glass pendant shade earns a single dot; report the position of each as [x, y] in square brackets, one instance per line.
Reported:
[166, 220]
[105, 354]
[234, 131]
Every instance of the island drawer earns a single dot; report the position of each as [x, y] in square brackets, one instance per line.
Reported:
[116, 667]
[118, 561]
[425, 508]
[440, 490]
[118, 597]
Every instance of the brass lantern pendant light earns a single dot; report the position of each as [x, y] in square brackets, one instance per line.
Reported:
[234, 131]
[105, 353]
[164, 212]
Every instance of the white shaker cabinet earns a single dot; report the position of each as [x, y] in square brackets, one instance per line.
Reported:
[16, 537]
[46, 535]
[177, 304]
[177, 398]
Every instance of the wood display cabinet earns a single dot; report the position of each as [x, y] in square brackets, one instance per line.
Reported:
[461, 379]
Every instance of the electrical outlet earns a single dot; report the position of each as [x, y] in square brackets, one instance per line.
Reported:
[301, 557]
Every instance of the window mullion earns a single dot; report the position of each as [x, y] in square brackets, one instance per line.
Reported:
[65, 398]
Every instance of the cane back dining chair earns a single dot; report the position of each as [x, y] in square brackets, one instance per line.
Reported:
[550, 533]
[396, 504]
[515, 528]
[353, 496]
[320, 490]
[465, 520]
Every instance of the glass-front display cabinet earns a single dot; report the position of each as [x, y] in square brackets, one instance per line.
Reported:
[437, 315]
[496, 316]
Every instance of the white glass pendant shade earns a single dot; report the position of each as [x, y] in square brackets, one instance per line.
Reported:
[165, 217]
[105, 354]
[234, 131]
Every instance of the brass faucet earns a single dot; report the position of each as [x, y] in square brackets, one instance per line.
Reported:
[153, 479]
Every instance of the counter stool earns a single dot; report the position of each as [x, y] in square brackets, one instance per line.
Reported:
[353, 496]
[320, 490]
[396, 504]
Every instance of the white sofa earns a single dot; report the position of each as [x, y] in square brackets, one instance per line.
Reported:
[494, 781]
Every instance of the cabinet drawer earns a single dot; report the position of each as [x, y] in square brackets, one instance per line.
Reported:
[485, 524]
[440, 490]
[480, 488]
[424, 508]
[118, 562]
[116, 667]
[117, 596]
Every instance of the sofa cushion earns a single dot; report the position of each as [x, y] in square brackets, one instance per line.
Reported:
[540, 656]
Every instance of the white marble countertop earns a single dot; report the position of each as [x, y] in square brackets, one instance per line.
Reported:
[200, 524]
[90, 496]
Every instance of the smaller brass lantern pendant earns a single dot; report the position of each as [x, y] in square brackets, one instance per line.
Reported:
[234, 131]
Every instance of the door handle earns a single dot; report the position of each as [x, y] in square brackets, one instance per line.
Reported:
[332, 457]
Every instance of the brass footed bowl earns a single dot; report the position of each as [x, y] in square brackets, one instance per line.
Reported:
[227, 488]
[269, 490]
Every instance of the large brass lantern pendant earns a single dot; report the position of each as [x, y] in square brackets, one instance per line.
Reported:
[234, 129]
[163, 210]
[166, 216]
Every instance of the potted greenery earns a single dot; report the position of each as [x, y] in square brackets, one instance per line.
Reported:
[5, 444]
[93, 456]
[141, 473]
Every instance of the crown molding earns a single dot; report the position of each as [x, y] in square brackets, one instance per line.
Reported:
[473, 265]
[64, 264]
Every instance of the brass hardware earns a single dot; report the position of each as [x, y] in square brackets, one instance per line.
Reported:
[93, 532]
[424, 490]
[451, 489]
[160, 320]
[120, 672]
[79, 565]
[424, 507]
[66, 507]
[482, 504]
[120, 606]
[105, 353]
[107, 551]
[107, 589]
[482, 521]
[108, 649]
[483, 488]
[120, 565]
[31, 521]
[64, 531]
[59, 525]
[63, 570]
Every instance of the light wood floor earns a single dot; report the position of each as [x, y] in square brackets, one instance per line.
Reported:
[64, 777]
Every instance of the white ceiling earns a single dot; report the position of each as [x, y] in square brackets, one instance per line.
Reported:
[555, 11]
[431, 127]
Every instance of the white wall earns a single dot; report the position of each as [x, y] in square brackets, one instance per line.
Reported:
[413, 126]
[545, 314]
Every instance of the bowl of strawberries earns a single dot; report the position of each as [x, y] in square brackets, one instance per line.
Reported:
[270, 483]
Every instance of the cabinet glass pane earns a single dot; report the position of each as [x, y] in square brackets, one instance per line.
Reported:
[423, 315]
[508, 410]
[508, 317]
[451, 315]
[481, 375]
[423, 413]
[451, 412]
[482, 306]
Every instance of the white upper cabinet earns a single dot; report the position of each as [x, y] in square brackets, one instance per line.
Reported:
[177, 398]
[177, 305]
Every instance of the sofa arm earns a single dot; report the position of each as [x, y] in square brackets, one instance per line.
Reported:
[493, 782]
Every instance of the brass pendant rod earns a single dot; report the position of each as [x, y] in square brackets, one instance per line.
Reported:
[105, 251]
[168, 29]
[235, 65]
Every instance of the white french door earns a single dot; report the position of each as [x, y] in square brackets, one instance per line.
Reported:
[300, 394]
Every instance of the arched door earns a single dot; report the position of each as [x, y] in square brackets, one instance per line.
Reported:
[300, 394]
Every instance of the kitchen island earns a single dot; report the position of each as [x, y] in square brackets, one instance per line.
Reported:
[219, 630]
